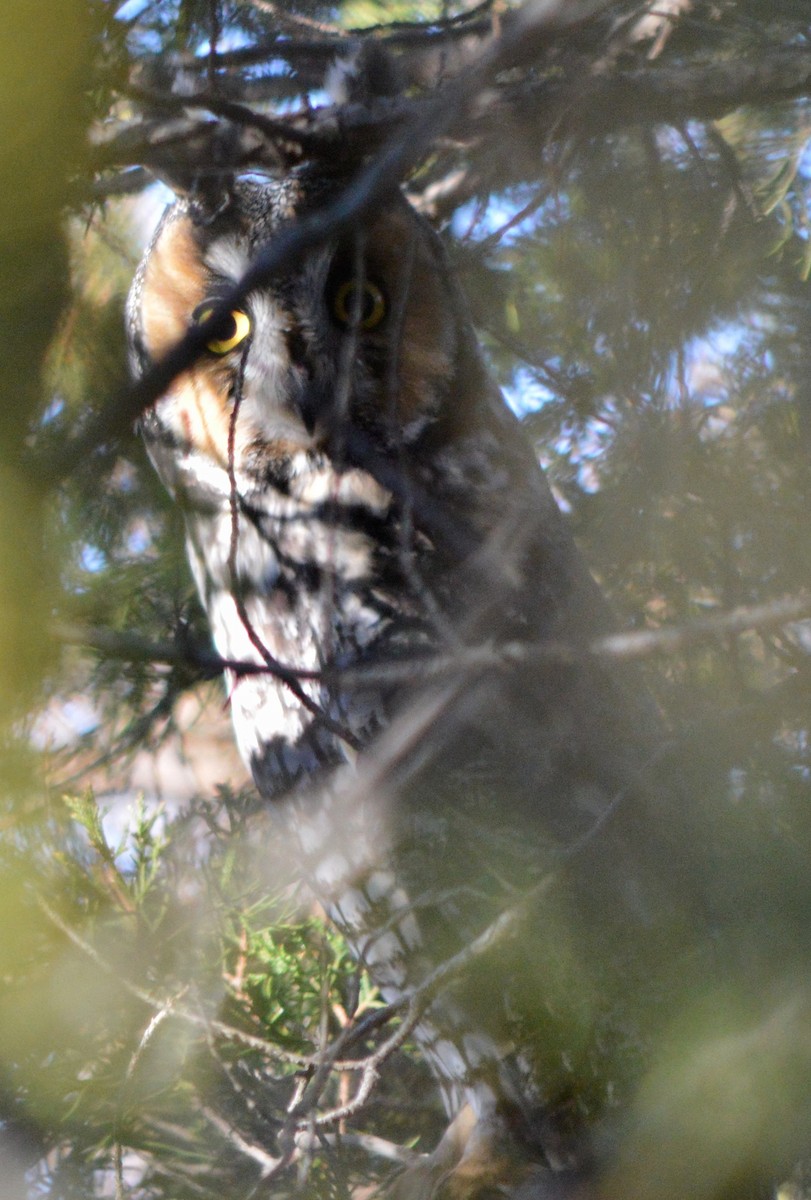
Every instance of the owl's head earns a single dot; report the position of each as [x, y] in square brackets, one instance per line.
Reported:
[364, 331]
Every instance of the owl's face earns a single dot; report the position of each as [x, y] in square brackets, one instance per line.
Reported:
[361, 330]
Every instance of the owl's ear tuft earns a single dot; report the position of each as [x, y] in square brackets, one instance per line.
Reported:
[201, 169]
[368, 72]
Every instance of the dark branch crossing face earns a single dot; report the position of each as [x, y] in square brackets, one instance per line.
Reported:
[356, 496]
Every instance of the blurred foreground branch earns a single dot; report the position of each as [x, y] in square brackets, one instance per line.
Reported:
[620, 647]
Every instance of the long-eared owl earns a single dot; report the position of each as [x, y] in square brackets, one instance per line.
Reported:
[405, 618]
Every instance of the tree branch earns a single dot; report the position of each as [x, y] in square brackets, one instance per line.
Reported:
[620, 647]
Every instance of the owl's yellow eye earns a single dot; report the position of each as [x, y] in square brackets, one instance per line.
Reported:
[233, 329]
[367, 296]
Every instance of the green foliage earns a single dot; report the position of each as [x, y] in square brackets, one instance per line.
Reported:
[152, 1004]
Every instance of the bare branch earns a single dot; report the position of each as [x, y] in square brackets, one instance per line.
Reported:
[661, 94]
[759, 617]
[257, 1154]
[623, 647]
[377, 1146]
[599, 97]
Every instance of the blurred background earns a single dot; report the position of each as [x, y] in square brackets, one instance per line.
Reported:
[627, 214]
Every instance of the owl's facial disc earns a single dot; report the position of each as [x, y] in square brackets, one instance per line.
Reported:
[360, 332]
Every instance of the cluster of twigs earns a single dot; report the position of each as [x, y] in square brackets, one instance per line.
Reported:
[553, 70]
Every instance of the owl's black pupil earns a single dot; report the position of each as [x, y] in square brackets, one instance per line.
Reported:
[363, 296]
[226, 329]
[367, 304]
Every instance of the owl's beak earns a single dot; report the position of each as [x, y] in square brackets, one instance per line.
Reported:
[309, 409]
[322, 411]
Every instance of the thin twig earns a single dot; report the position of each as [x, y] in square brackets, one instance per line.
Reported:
[275, 131]
[257, 1154]
[153, 1025]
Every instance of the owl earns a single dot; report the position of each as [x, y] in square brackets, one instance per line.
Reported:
[405, 622]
